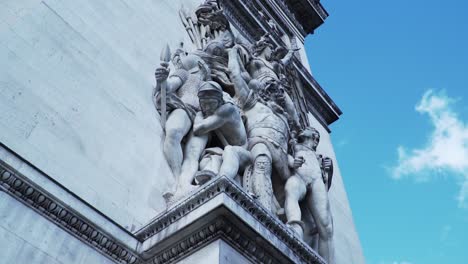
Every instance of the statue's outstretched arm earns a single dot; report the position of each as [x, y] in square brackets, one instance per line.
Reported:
[287, 59]
[240, 85]
[291, 109]
[204, 125]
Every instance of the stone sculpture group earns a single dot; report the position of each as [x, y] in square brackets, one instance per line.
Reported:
[226, 110]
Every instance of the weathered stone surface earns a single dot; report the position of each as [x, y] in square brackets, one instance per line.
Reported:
[76, 103]
[27, 237]
[217, 252]
[75, 85]
[222, 209]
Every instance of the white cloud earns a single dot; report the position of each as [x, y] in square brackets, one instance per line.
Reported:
[446, 149]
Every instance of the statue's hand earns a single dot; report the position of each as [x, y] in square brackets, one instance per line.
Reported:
[298, 162]
[161, 74]
[293, 142]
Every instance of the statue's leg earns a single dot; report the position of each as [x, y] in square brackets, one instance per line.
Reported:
[192, 153]
[319, 205]
[234, 158]
[177, 126]
[295, 190]
[280, 164]
[261, 175]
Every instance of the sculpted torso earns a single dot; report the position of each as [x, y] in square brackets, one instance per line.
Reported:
[310, 169]
[188, 91]
[263, 122]
[261, 69]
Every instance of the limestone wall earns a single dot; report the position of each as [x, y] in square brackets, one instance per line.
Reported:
[27, 237]
[76, 80]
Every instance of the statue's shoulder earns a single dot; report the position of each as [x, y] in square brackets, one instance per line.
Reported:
[300, 147]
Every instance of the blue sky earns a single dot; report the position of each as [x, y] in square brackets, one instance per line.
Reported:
[399, 71]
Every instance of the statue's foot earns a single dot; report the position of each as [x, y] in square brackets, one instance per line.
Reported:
[253, 195]
[183, 192]
[204, 176]
[168, 197]
[297, 227]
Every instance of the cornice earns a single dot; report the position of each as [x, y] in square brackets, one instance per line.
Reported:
[219, 227]
[309, 13]
[224, 185]
[33, 196]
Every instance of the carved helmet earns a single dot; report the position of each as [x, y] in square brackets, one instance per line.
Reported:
[210, 89]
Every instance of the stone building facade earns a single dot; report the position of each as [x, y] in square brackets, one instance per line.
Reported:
[82, 166]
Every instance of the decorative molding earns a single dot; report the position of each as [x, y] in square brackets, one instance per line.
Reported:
[48, 206]
[245, 201]
[310, 14]
[220, 228]
[33, 196]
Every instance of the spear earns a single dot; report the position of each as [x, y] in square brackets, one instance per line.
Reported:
[164, 58]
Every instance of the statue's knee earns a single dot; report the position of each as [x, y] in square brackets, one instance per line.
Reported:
[228, 150]
[328, 229]
[173, 137]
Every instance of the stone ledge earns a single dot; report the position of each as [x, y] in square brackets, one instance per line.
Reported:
[49, 206]
[222, 209]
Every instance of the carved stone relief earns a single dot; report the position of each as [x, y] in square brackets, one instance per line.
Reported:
[232, 110]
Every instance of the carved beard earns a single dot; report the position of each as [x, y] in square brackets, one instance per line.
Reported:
[262, 185]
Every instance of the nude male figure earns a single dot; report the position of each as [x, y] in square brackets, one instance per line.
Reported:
[182, 104]
[308, 182]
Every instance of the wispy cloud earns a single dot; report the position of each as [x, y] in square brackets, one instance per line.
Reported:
[446, 149]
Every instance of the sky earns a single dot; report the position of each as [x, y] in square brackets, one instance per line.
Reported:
[399, 72]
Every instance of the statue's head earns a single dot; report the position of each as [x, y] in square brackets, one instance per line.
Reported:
[262, 163]
[263, 47]
[189, 61]
[216, 48]
[279, 53]
[210, 96]
[177, 58]
[210, 13]
[192, 63]
[311, 136]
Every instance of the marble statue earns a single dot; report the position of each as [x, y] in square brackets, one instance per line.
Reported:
[267, 64]
[309, 182]
[229, 113]
[182, 104]
[223, 118]
[268, 131]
